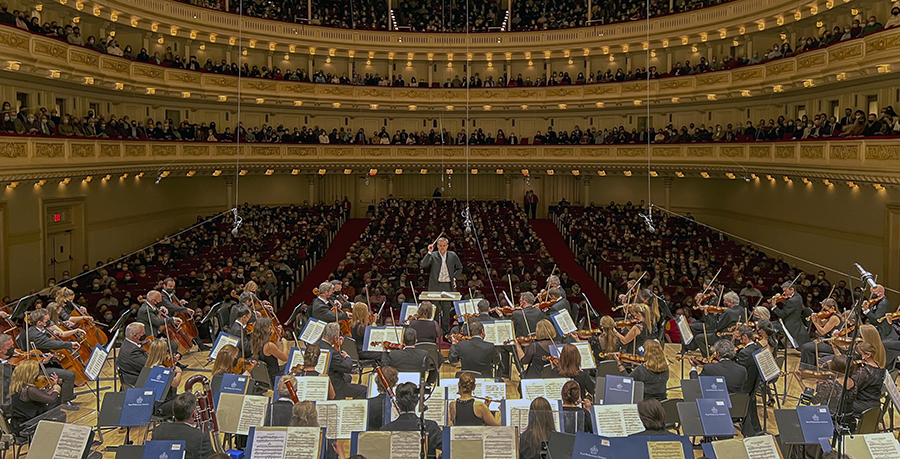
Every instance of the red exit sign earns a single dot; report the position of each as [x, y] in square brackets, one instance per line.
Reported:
[57, 217]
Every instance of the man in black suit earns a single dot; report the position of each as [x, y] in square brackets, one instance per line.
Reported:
[410, 359]
[6, 351]
[525, 321]
[341, 365]
[280, 411]
[558, 302]
[734, 373]
[38, 335]
[377, 403]
[408, 421]
[198, 444]
[177, 305]
[131, 357]
[445, 267]
[751, 426]
[475, 353]
[484, 313]
[239, 329]
[878, 310]
[149, 312]
[245, 301]
[791, 313]
[321, 309]
[716, 323]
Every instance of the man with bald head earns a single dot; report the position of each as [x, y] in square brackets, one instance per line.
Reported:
[149, 312]
[321, 308]
[879, 306]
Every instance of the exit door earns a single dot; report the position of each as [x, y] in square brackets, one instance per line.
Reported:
[59, 251]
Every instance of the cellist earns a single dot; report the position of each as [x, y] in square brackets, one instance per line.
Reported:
[178, 306]
[38, 335]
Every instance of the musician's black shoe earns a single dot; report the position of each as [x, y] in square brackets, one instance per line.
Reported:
[182, 366]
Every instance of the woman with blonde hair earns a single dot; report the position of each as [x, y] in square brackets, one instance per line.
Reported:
[639, 332]
[304, 414]
[869, 378]
[157, 355]
[609, 342]
[26, 399]
[359, 321]
[465, 410]
[654, 372]
[225, 362]
[533, 355]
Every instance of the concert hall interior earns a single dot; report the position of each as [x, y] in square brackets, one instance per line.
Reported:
[372, 228]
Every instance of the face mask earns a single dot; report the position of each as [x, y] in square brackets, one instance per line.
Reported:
[108, 317]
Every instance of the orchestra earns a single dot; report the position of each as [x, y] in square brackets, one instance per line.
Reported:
[43, 365]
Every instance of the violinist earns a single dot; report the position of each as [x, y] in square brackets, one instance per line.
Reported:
[650, 300]
[323, 310]
[29, 401]
[558, 303]
[525, 320]
[361, 319]
[639, 333]
[159, 356]
[892, 343]
[791, 312]
[338, 297]
[280, 409]
[226, 362]
[465, 410]
[877, 308]
[7, 348]
[827, 321]
[744, 357]
[483, 307]
[426, 327]
[723, 364]
[716, 323]
[264, 350]
[533, 355]
[407, 395]
[340, 367]
[609, 341]
[869, 379]
[245, 300]
[239, 329]
[409, 359]
[310, 361]
[569, 366]
[654, 372]
[377, 403]
[38, 335]
[154, 315]
[828, 391]
[131, 356]
[474, 354]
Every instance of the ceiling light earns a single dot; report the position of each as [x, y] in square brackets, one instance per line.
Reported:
[336, 105]
[398, 171]
[348, 171]
[601, 173]
[576, 172]
[423, 171]
[627, 173]
[827, 182]
[474, 171]
[298, 103]
[295, 171]
[600, 104]
[217, 172]
[770, 178]
[41, 182]
[373, 106]
[270, 171]
[191, 173]
[88, 179]
[679, 174]
[787, 179]
[851, 184]
[878, 186]
[66, 180]
[730, 175]
[550, 172]
[243, 172]
[499, 171]
[526, 172]
[654, 174]
[373, 172]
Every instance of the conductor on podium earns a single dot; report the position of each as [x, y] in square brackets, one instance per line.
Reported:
[445, 268]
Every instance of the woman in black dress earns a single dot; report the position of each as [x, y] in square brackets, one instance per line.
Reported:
[575, 418]
[466, 411]
[26, 399]
[533, 354]
[633, 341]
[427, 330]
[262, 347]
[540, 424]
[569, 366]
[304, 414]
[654, 372]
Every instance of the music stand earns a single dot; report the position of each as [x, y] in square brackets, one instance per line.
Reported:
[689, 415]
[114, 330]
[25, 303]
[560, 445]
[212, 311]
[690, 390]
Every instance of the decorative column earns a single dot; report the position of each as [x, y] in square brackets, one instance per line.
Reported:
[229, 191]
[586, 187]
[390, 185]
[311, 180]
[508, 181]
[667, 182]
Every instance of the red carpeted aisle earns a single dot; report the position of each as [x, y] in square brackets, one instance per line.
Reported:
[346, 236]
[565, 259]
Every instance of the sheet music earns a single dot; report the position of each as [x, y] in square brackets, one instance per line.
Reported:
[405, 445]
[303, 443]
[389, 334]
[685, 328]
[312, 388]
[587, 356]
[564, 322]
[617, 420]
[313, 331]
[342, 417]
[467, 307]
[500, 443]
[516, 414]
[268, 444]
[410, 312]
[891, 388]
[223, 340]
[72, 441]
[437, 408]
[549, 388]
[377, 445]
[253, 413]
[402, 377]
[788, 334]
[767, 367]
[882, 446]
[95, 364]
[466, 442]
[665, 450]
[499, 332]
[763, 447]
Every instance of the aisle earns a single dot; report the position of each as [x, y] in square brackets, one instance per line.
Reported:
[346, 237]
[565, 259]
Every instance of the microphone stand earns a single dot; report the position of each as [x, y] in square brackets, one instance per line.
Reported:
[857, 311]
[423, 436]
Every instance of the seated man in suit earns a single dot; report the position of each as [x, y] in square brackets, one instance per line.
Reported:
[239, 329]
[751, 426]
[44, 341]
[408, 421]
[322, 309]
[377, 403]
[131, 357]
[245, 301]
[525, 321]
[341, 365]
[410, 359]
[717, 323]
[559, 303]
[198, 444]
[280, 409]
[7, 346]
[475, 353]
[484, 313]
[724, 365]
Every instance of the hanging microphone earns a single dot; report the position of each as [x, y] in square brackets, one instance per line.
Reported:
[649, 221]
[866, 276]
[238, 221]
[468, 220]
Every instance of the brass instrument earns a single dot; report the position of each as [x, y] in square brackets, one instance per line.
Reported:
[205, 416]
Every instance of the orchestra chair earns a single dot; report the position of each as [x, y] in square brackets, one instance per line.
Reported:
[19, 441]
[608, 367]
[740, 407]
[260, 375]
[433, 352]
[868, 421]
[349, 346]
[670, 406]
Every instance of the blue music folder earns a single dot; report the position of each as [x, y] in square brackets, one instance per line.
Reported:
[137, 407]
[155, 449]
[815, 423]
[715, 417]
[619, 390]
[233, 384]
[588, 445]
[160, 379]
[714, 387]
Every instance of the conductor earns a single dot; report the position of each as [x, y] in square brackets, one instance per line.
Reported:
[445, 268]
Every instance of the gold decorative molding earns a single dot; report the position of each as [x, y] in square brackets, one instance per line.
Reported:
[195, 150]
[184, 76]
[162, 150]
[843, 152]
[700, 151]
[712, 78]
[49, 48]
[785, 151]
[631, 152]
[82, 150]
[13, 150]
[666, 152]
[883, 152]
[812, 151]
[760, 152]
[89, 59]
[732, 152]
[49, 150]
[14, 40]
[116, 65]
[809, 60]
[110, 150]
[748, 74]
[135, 150]
[148, 71]
[840, 52]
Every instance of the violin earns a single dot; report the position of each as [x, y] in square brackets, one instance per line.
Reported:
[696, 361]
[20, 356]
[890, 316]
[42, 382]
[506, 310]
[846, 331]
[522, 340]
[815, 375]
[243, 365]
[626, 323]
[839, 340]
[587, 333]
[455, 317]
[628, 358]
[458, 337]
[870, 302]
[549, 358]
[779, 298]
[823, 315]
[544, 305]
[387, 345]
[703, 298]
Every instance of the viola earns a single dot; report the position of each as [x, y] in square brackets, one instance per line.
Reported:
[629, 358]
[387, 345]
[890, 316]
[459, 337]
[243, 365]
[779, 298]
[815, 375]
[549, 358]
